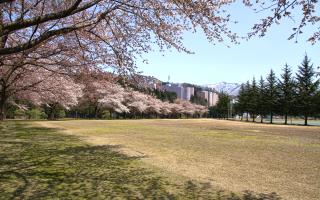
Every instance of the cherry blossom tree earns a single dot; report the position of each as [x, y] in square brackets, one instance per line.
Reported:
[136, 102]
[125, 27]
[25, 72]
[302, 12]
[154, 106]
[62, 36]
[38, 86]
[112, 32]
[188, 108]
[94, 84]
[166, 108]
[113, 96]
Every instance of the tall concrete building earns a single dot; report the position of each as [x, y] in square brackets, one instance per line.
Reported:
[211, 97]
[204, 95]
[174, 88]
[188, 92]
[182, 92]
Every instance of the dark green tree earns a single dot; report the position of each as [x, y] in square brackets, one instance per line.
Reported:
[271, 95]
[317, 104]
[247, 89]
[243, 99]
[306, 89]
[286, 93]
[223, 105]
[261, 99]
[213, 112]
[253, 94]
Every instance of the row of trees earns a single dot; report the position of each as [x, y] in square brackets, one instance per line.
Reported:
[103, 95]
[297, 95]
[96, 95]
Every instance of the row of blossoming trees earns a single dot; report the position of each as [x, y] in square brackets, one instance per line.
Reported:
[126, 102]
[289, 95]
[101, 91]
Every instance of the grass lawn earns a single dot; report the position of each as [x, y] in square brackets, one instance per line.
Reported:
[158, 159]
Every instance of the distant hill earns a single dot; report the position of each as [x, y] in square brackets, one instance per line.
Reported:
[229, 88]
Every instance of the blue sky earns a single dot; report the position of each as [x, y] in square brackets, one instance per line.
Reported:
[239, 63]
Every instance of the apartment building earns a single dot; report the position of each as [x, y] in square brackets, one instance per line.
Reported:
[211, 97]
[184, 93]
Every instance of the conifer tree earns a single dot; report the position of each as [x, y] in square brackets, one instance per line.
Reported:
[306, 89]
[223, 105]
[261, 99]
[241, 105]
[271, 94]
[286, 93]
[253, 102]
[317, 104]
[247, 88]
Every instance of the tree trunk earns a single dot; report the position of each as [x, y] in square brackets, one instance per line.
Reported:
[271, 118]
[51, 114]
[3, 102]
[96, 109]
[261, 120]
[2, 110]
[247, 117]
[286, 119]
[3, 40]
[305, 119]
[253, 119]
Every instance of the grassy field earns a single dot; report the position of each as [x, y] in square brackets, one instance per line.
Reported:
[158, 159]
[37, 162]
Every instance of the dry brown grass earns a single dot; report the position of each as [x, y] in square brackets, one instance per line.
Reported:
[235, 156]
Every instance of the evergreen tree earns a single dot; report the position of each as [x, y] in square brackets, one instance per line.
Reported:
[223, 105]
[247, 88]
[306, 89]
[261, 99]
[317, 104]
[286, 93]
[213, 112]
[241, 105]
[271, 94]
[253, 94]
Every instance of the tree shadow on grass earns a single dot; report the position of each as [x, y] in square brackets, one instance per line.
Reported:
[41, 163]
